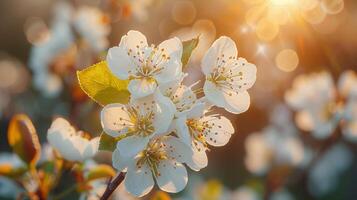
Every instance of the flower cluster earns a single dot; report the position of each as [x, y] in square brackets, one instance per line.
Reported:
[167, 124]
[321, 106]
[72, 30]
[276, 145]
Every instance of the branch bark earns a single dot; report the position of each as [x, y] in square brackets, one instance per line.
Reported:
[112, 185]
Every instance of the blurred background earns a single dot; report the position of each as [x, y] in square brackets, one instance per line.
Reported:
[43, 43]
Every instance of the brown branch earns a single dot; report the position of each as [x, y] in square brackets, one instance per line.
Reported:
[112, 185]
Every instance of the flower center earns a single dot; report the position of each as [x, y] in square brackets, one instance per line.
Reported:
[152, 156]
[197, 129]
[142, 124]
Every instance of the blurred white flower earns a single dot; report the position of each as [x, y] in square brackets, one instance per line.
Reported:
[227, 76]
[313, 97]
[139, 9]
[245, 193]
[199, 131]
[140, 120]
[347, 86]
[93, 26]
[161, 159]
[8, 188]
[71, 144]
[145, 66]
[96, 191]
[325, 175]
[321, 107]
[41, 56]
[272, 147]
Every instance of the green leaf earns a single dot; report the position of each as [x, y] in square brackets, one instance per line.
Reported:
[23, 139]
[188, 47]
[102, 86]
[108, 143]
[100, 171]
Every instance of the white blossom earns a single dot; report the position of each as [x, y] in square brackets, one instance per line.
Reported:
[93, 26]
[139, 121]
[145, 66]
[71, 144]
[272, 147]
[199, 131]
[227, 76]
[245, 193]
[161, 160]
[314, 98]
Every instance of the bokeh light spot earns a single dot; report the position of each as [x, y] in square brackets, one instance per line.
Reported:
[332, 6]
[184, 12]
[267, 29]
[287, 60]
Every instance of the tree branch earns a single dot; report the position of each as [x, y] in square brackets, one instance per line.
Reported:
[112, 185]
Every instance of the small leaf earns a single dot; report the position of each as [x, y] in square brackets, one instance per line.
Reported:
[102, 86]
[108, 143]
[188, 47]
[23, 139]
[100, 171]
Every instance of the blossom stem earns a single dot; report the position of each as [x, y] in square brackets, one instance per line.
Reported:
[112, 185]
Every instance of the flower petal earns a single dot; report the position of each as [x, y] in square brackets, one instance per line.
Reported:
[119, 62]
[139, 88]
[115, 119]
[220, 130]
[139, 182]
[237, 102]
[133, 40]
[198, 161]
[132, 145]
[91, 148]
[223, 48]
[182, 130]
[176, 149]
[173, 176]
[120, 162]
[213, 94]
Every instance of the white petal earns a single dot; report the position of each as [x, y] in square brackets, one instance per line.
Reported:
[197, 111]
[120, 162]
[139, 88]
[139, 182]
[182, 130]
[173, 176]
[172, 47]
[115, 119]
[164, 114]
[133, 40]
[237, 103]
[247, 74]
[172, 67]
[176, 149]
[213, 94]
[222, 46]
[92, 148]
[132, 145]
[198, 161]
[220, 130]
[119, 62]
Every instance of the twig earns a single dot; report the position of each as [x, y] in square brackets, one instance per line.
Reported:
[112, 185]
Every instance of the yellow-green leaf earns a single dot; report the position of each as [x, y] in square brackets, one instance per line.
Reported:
[23, 139]
[108, 143]
[188, 47]
[100, 171]
[102, 86]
